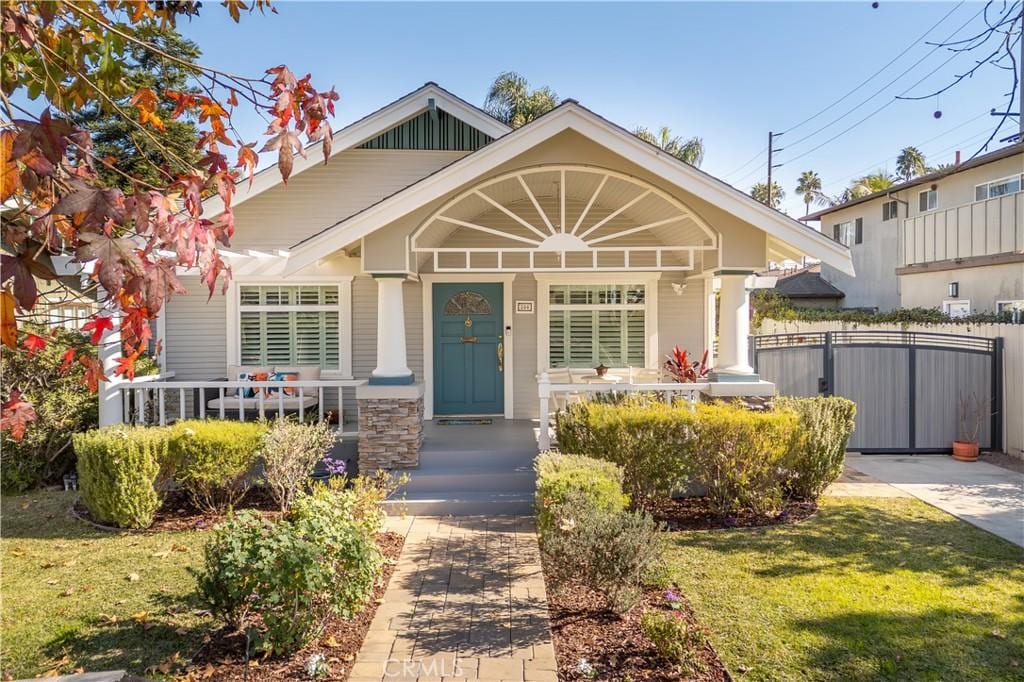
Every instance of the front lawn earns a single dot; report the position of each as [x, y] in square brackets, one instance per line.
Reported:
[868, 589]
[74, 596]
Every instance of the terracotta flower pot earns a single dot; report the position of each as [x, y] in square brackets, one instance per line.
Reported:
[965, 451]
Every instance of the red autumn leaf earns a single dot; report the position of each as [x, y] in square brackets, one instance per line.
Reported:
[97, 325]
[33, 343]
[68, 357]
[93, 372]
[114, 258]
[126, 365]
[15, 415]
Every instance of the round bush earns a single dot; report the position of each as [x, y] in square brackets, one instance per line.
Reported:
[216, 459]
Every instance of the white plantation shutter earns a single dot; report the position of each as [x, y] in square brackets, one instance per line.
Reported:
[304, 331]
[591, 325]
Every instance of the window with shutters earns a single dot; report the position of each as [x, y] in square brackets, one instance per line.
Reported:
[289, 325]
[589, 325]
[843, 232]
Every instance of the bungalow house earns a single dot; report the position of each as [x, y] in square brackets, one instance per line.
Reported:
[442, 264]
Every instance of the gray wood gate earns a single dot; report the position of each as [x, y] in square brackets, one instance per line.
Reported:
[907, 385]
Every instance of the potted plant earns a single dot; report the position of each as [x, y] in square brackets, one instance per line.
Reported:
[684, 369]
[971, 412]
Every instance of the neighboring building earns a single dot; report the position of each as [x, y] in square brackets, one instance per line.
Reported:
[952, 240]
[449, 262]
[806, 288]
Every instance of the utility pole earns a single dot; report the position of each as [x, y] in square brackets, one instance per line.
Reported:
[772, 150]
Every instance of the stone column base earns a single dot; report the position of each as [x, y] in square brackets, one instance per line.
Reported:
[390, 426]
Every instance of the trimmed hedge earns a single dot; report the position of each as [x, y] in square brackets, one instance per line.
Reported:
[120, 471]
[744, 459]
[561, 476]
[216, 459]
[740, 453]
[647, 438]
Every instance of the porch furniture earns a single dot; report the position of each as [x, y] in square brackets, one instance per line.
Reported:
[275, 400]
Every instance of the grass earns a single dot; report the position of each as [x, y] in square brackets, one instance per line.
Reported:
[869, 589]
[77, 597]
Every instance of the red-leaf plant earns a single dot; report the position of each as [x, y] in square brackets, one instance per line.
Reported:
[55, 202]
[684, 370]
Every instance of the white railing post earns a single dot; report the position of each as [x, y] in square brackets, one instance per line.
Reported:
[544, 390]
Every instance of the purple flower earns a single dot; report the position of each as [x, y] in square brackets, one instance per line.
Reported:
[672, 596]
[335, 467]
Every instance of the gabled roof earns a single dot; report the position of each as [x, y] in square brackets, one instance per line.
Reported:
[807, 284]
[571, 115]
[366, 128]
[991, 157]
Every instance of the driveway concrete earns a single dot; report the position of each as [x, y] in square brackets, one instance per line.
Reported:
[988, 496]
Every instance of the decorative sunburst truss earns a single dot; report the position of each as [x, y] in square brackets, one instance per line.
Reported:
[563, 218]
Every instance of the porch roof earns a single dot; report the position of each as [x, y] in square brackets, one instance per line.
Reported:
[785, 235]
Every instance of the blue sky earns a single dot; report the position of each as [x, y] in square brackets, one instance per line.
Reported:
[728, 72]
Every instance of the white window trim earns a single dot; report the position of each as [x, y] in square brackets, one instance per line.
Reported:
[927, 210]
[428, 281]
[344, 308]
[950, 302]
[1014, 301]
[648, 279]
[1008, 178]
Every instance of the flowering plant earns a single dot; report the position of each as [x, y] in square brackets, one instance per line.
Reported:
[683, 369]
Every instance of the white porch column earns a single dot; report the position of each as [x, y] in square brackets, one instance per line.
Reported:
[734, 329]
[392, 364]
[111, 410]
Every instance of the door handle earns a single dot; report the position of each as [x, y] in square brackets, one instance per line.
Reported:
[501, 355]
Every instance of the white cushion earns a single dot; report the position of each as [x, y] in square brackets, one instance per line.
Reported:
[306, 373]
[269, 404]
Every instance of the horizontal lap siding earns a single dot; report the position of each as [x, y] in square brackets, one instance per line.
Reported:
[325, 194]
[196, 343]
[364, 326]
[525, 403]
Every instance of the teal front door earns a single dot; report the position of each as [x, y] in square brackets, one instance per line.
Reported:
[468, 349]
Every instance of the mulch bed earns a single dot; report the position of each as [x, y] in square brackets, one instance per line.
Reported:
[222, 656]
[694, 513]
[615, 647]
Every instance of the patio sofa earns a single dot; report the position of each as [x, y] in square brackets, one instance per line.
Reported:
[290, 403]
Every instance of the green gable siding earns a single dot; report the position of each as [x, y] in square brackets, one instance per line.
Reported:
[443, 133]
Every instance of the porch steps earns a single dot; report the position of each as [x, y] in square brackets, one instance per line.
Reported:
[472, 470]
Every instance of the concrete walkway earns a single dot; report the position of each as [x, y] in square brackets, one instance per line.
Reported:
[466, 601]
[982, 494]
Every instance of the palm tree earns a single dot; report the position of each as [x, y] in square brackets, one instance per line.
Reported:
[910, 163]
[511, 101]
[689, 151]
[869, 184]
[809, 186]
[760, 192]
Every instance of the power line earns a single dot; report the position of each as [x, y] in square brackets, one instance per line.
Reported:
[918, 144]
[754, 158]
[883, 89]
[876, 111]
[876, 73]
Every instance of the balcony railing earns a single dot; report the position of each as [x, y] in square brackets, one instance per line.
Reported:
[557, 396]
[161, 401]
[980, 228]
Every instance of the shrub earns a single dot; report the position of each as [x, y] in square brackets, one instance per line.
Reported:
[63, 406]
[610, 552]
[289, 452]
[677, 640]
[120, 470]
[739, 455]
[216, 458]
[362, 500]
[816, 458]
[650, 440]
[559, 476]
[294, 573]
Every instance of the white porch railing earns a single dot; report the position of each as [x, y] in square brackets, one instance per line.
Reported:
[157, 401]
[562, 394]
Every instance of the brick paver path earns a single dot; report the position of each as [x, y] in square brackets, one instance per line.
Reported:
[466, 602]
